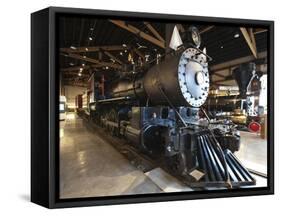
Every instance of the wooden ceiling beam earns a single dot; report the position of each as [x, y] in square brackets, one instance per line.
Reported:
[237, 61]
[219, 75]
[113, 57]
[259, 30]
[180, 27]
[154, 32]
[93, 49]
[138, 32]
[76, 73]
[252, 36]
[250, 39]
[206, 29]
[94, 61]
[73, 79]
[75, 83]
[76, 68]
[140, 54]
[86, 67]
[227, 78]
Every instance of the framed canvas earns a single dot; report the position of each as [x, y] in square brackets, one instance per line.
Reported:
[138, 107]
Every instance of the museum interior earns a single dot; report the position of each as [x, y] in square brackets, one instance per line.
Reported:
[149, 106]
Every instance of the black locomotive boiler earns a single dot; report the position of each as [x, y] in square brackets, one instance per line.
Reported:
[159, 112]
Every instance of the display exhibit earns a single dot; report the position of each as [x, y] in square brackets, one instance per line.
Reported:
[137, 107]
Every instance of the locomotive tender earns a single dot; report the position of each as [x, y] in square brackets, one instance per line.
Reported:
[160, 113]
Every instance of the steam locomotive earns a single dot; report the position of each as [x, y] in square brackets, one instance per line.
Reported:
[239, 106]
[159, 111]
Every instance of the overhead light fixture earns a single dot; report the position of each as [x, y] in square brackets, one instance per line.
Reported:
[86, 49]
[124, 45]
[83, 65]
[236, 35]
[121, 53]
[221, 47]
[106, 67]
[79, 74]
[73, 47]
[92, 29]
[125, 51]
[84, 56]
[81, 69]
[90, 38]
[71, 64]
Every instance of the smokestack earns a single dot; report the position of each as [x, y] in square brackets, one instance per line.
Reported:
[243, 75]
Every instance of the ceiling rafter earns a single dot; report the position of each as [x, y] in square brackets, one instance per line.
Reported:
[75, 73]
[259, 30]
[154, 31]
[76, 68]
[140, 54]
[206, 29]
[95, 61]
[112, 57]
[180, 27]
[75, 83]
[93, 49]
[218, 75]
[138, 32]
[237, 61]
[250, 39]
[252, 36]
[227, 78]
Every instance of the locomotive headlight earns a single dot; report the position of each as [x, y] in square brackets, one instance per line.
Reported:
[199, 77]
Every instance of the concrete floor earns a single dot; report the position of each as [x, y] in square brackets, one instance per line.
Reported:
[90, 167]
[253, 152]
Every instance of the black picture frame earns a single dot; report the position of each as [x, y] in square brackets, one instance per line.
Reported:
[45, 114]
